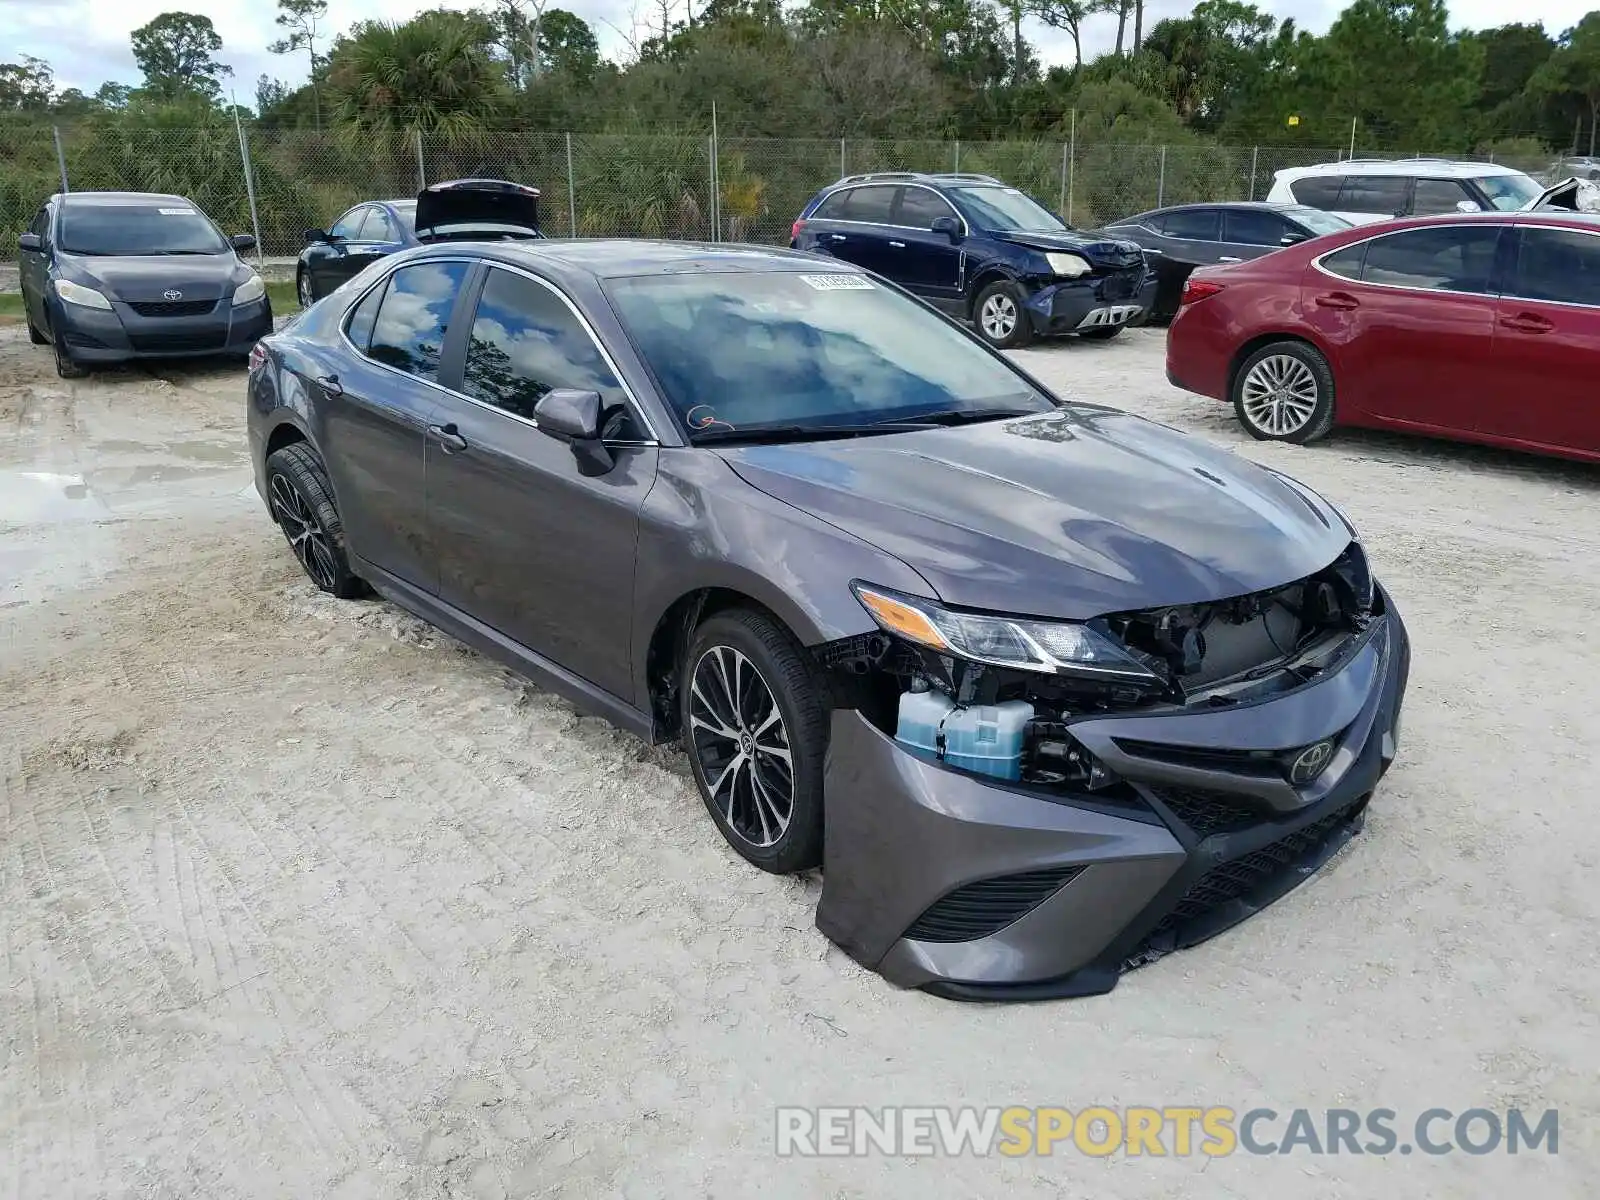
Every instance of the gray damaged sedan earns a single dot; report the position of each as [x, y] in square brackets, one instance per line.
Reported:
[1047, 690]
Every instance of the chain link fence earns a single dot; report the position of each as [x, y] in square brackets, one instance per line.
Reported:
[279, 183]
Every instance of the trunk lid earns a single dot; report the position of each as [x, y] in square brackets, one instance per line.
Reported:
[464, 208]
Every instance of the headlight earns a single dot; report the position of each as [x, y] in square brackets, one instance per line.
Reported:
[1049, 647]
[76, 293]
[1067, 266]
[250, 289]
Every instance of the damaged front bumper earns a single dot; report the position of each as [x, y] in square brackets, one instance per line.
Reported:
[973, 888]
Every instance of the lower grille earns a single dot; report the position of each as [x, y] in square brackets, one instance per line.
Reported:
[1121, 285]
[988, 906]
[155, 343]
[1207, 812]
[172, 308]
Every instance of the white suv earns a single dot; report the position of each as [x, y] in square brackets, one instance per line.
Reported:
[1366, 190]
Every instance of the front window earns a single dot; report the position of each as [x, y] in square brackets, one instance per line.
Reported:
[1508, 193]
[126, 230]
[740, 352]
[1006, 209]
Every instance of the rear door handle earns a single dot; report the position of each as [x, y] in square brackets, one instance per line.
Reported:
[330, 384]
[836, 237]
[1229, 258]
[1528, 323]
[1342, 301]
[898, 245]
[448, 438]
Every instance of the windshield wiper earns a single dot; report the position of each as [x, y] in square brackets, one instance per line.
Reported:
[962, 416]
[798, 433]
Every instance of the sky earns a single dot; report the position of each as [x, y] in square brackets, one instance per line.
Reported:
[86, 41]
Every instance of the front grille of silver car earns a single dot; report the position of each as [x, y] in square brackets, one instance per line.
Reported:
[979, 909]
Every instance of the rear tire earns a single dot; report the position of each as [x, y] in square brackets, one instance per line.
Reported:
[755, 726]
[1284, 393]
[302, 505]
[1001, 316]
[1103, 334]
[303, 289]
[66, 367]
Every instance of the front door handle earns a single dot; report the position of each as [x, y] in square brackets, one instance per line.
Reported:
[1528, 323]
[898, 245]
[836, 237]
[1229, 258]
[330, 384]
[448, 438]
[1343, 301]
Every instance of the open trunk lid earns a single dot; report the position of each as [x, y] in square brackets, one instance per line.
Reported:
[477, 208]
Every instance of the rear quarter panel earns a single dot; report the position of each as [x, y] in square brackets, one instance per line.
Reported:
[1259, 299]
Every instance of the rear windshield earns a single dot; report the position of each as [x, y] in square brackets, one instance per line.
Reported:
[1316, 220]
[1508, 193]
[752, 350]
[126, 230]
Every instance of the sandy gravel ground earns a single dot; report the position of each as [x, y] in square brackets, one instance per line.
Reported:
[301, 899]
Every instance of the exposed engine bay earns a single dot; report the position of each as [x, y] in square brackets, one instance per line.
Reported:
[1015, 724]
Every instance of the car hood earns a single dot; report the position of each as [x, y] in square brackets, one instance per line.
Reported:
[151, 277]
[1578, 195]
[1071, 514]
[495, 203]
[1099, 248]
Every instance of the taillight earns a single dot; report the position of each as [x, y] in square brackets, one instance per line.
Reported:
[1198, 289]
[258, 357]
[794, 230]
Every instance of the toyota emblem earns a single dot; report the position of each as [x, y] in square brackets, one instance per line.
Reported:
[1308, 764]
[172, 294]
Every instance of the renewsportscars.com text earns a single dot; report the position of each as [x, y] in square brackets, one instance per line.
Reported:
[1216, 1132]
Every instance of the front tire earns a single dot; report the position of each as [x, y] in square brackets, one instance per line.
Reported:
[756, 729]
[1284, 393]
[302, 505]
[66, 366]
[1001, 316]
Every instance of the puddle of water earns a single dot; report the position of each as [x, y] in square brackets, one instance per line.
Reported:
[37, 497]
[222, 453]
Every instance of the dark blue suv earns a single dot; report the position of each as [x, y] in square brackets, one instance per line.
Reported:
[981, 251]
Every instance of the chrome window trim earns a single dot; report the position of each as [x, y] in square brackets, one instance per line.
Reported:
[1316, 262]
[344, 320]
[966, 229]
[1578, 304]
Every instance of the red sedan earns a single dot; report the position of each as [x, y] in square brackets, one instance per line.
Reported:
[1484, 328]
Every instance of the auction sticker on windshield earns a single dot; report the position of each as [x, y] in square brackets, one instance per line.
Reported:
[839, 283]
[177, 212]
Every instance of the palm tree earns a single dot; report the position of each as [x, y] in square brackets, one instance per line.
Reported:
[433, 74]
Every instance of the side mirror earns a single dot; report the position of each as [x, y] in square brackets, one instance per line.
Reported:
[1291, 239]
[313, 236]
[572, 416]
[948, 226]
[243, 241]
[1468, 206]
[30, 242]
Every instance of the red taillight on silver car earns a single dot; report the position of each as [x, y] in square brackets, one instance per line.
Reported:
[1197, 289]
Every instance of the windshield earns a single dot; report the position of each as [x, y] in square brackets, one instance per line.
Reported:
[126, 230]
[1508, 193]
[1317, 221]
[737, 350]
[1003, 208]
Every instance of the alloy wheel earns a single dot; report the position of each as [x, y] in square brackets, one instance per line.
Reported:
[741, 746]
[306, 536]
[1279, 395]
[304, 289]
[999, 316]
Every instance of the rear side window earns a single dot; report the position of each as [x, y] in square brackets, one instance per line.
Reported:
[869, 204]
[1192, 224]
[1251, 227]
[1347, 263]
[1562, 265]
[832, 209]
[527, 342]
[358, 326]
[1318, 191]
[414, 315]
[1453, 258]
[1373, 195]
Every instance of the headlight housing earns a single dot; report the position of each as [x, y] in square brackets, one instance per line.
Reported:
[1068, 266]
[251, 289]
[86, 297]
[1024, 644]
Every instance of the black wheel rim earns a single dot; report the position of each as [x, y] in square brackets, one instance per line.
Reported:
[741, 746]
[307, 538]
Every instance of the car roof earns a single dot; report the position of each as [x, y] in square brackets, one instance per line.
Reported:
[1537, 216]
[936, 178]
[1432, 167]
[123, 198]
[612, 258]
